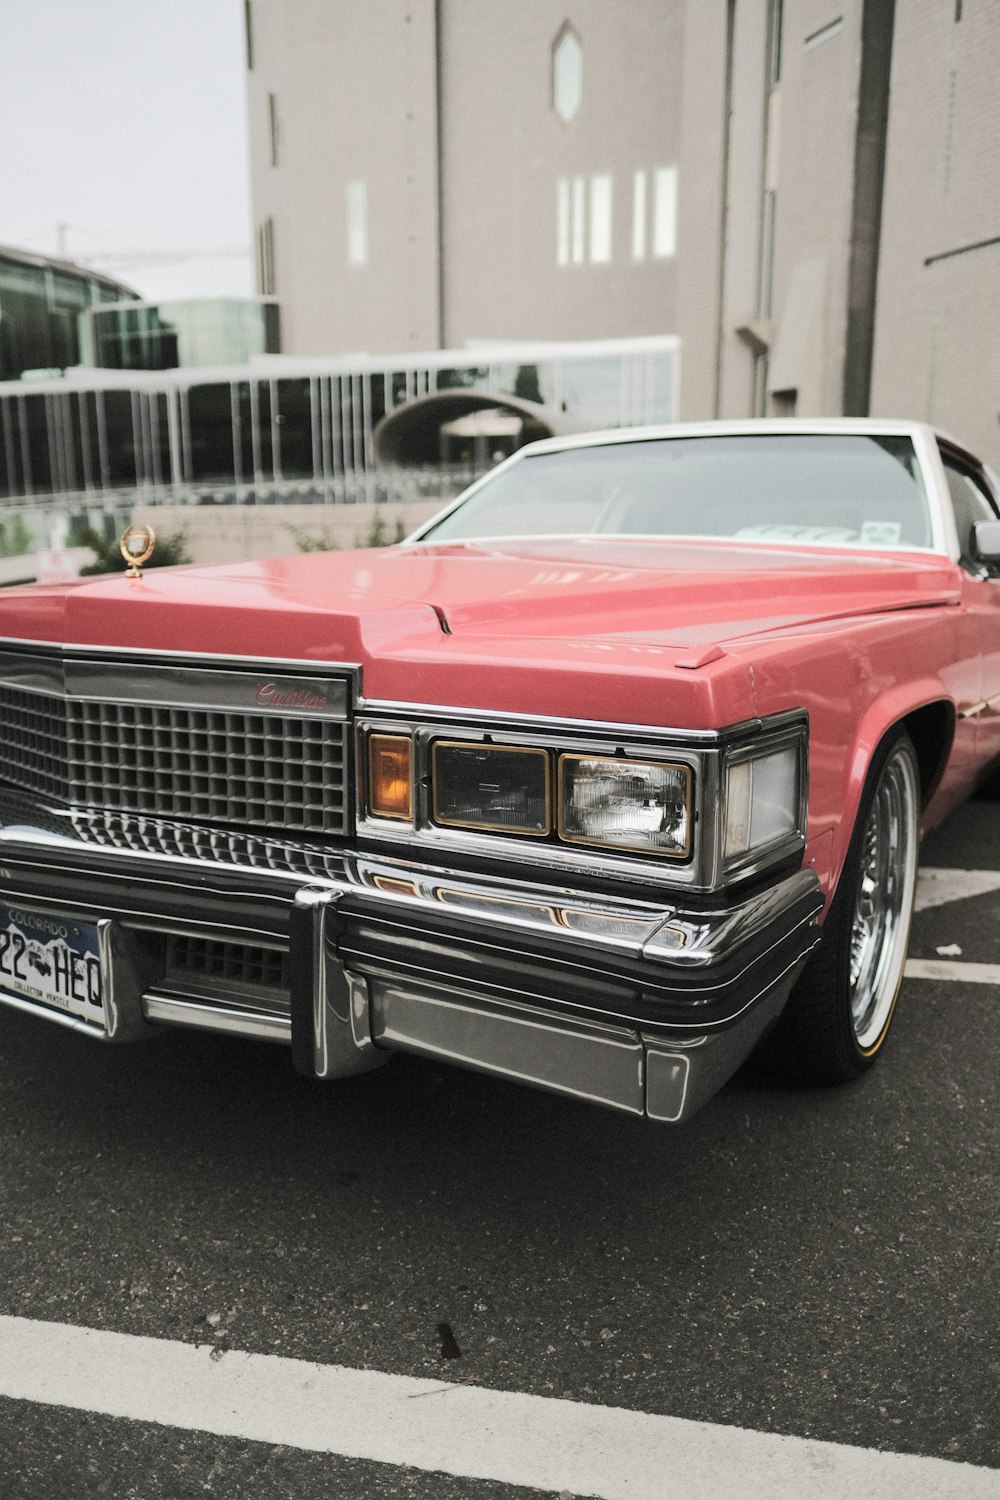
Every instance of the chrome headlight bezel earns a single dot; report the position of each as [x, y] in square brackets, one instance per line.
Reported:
[704, 757]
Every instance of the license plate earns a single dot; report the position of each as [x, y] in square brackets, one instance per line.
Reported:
[51, 961]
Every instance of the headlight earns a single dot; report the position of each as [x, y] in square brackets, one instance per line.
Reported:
[644, 806]
[498, 788]
[390, 776]
[762, 801]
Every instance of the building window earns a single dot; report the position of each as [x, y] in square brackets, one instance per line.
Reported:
[579, 205]
[600, 218]
[765, 291]
[272, 120]
[357, 224]
[567, 74]
[639, 216]
[248, 32]
[562, 221]
[665, 212]
[774, 43]
[266, 279]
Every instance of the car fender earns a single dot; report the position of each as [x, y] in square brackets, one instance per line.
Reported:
[888, 711]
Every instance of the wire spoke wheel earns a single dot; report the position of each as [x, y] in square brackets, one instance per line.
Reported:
[841, 1009]
[883, 899]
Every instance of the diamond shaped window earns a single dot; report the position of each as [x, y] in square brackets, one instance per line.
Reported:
[567, 74]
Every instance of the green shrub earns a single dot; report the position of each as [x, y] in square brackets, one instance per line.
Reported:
[170, 550]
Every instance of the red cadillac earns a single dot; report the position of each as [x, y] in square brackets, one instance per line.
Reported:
[615, 768]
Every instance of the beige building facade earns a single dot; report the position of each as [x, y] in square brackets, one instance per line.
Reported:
[805, 191]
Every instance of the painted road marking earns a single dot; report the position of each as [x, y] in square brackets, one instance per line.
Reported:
[938, 887]
[536, 1441]
[948, 968]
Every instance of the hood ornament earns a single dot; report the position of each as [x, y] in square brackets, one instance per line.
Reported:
[137, 546]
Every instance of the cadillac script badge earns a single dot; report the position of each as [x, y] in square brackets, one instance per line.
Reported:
[137, 546]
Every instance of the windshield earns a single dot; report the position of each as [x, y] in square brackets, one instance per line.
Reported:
[838, 489]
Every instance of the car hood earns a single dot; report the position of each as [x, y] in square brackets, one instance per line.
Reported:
[437, 623]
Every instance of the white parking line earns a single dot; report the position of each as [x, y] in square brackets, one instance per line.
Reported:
[948, 968]
[937, 887]
[479, 1434]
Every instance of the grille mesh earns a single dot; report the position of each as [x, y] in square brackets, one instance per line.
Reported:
[33, 742]
[246, 770]
[229, 963]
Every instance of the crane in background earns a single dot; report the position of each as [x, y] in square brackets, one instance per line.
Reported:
[114, 261]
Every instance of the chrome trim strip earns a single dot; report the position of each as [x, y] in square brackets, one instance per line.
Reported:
[293, 665]
[699, 996]
[198, 687]
[175, 1010]
[195, 926]
[472, 718]
[60, 1018]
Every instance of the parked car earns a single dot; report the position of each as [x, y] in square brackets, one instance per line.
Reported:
[616, 767]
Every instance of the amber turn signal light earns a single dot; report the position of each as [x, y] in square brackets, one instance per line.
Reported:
[390, 776]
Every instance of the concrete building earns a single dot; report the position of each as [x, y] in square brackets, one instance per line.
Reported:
[805, 191]
[937, 334]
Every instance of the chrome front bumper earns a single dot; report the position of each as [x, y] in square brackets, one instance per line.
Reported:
[644, 1006]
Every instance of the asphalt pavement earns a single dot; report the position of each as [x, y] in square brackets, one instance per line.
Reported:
[816, 1263]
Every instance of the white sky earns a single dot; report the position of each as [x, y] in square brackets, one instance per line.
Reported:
[126, 120]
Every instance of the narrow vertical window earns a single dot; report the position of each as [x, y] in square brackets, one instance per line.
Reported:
[265, 259]
[600, 218]
[764, 295]
[774, 50]
[639, 216]
[272, 273]
[579, 205]
[562, 221]
[357, 224]
[272, 118]
[567, 74]
[665, 212]
[248, 32]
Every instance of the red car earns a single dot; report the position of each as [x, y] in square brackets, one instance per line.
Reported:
[614, 768]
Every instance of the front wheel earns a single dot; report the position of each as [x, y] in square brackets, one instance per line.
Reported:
[839, 1014]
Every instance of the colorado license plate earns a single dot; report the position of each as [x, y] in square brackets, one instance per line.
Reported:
[50, 961]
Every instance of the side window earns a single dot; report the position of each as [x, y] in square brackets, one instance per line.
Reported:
[971, 502]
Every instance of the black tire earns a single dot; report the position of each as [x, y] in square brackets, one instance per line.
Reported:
[840, 1012]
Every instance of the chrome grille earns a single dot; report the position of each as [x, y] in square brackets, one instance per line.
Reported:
[216, 845]
[65, 737]
[32, 742]
[253, 770]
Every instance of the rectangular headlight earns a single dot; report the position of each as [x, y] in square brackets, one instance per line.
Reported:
[762, 801]
[644, 806]
[494, 788]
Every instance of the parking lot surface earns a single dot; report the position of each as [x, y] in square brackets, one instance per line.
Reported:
[822, 1264]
